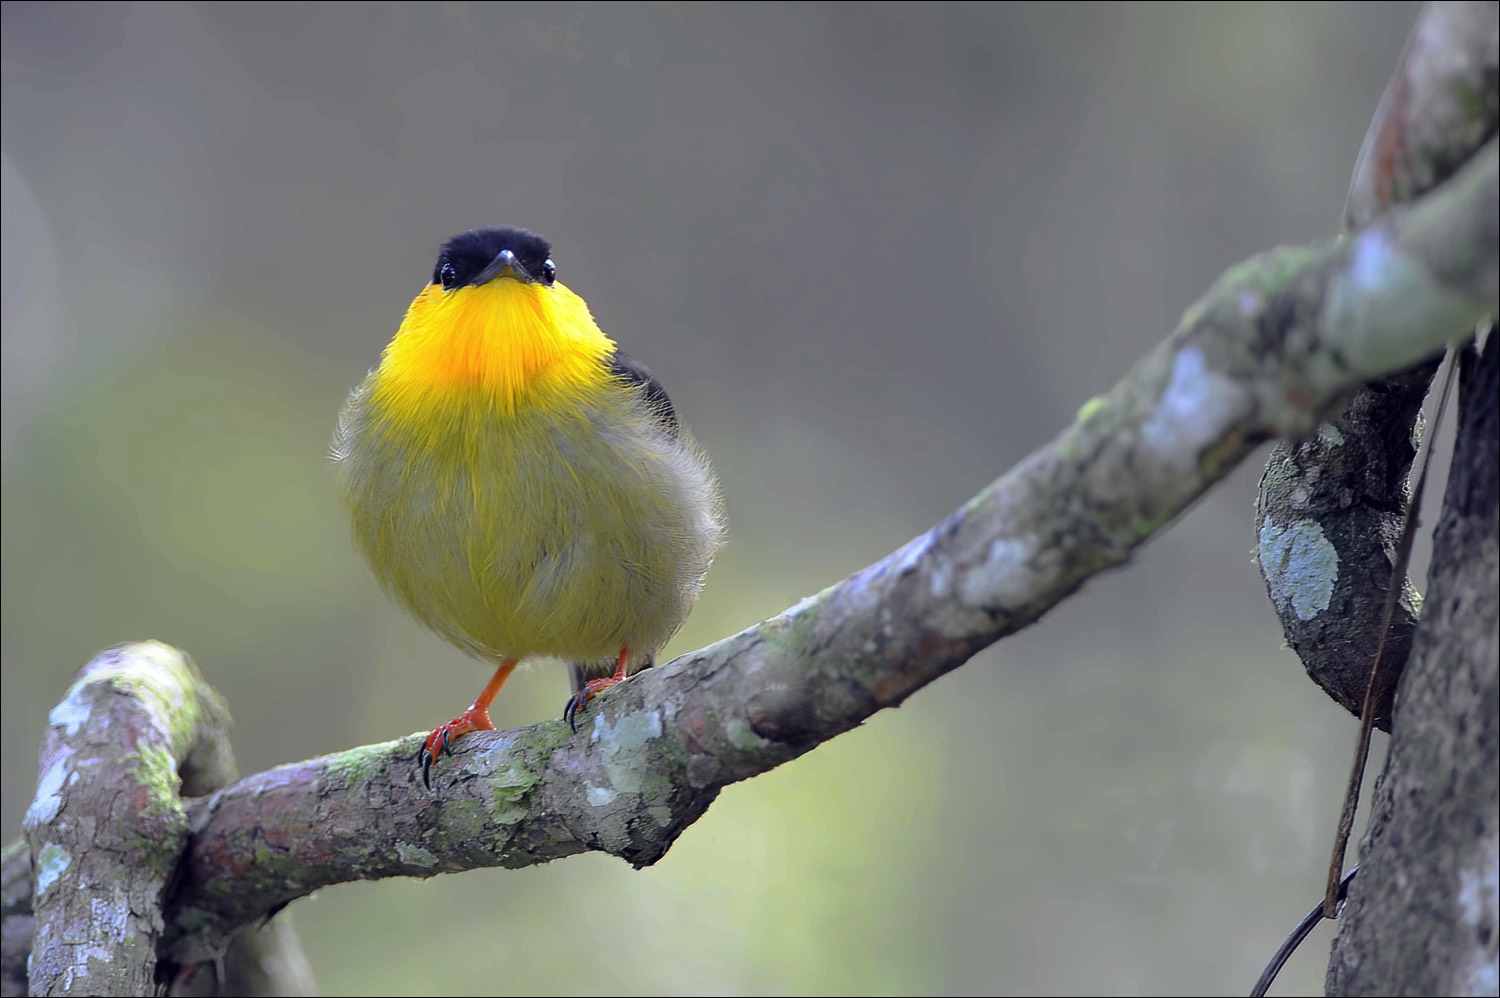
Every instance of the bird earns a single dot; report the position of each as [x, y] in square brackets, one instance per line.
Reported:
[520, 484]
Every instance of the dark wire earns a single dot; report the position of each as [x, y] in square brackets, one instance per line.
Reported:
[1290, 943]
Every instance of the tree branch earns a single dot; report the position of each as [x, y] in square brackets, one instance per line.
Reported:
[1330, 507]
[1439, 108]
[107, 826]
[1422, 917]
[1277, 343]
[138, 730]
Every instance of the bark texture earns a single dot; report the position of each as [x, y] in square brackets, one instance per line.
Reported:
[107, 826]
[1423, 916]
[87, 892]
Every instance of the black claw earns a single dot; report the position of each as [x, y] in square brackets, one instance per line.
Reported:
[426, 765]
[573, 709]
[446, 746]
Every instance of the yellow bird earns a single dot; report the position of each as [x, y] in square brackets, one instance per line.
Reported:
[519, 483]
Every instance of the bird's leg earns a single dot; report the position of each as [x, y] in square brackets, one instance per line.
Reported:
[580, 699]
[476, 718]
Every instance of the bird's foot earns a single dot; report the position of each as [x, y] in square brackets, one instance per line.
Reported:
[442, 738]
[578, 702]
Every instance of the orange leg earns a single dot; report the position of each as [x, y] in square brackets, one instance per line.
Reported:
[579, 701]
[476, 718]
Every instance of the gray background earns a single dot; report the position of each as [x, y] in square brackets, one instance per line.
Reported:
[877, 254]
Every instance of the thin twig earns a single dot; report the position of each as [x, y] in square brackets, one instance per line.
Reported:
[1393, 598]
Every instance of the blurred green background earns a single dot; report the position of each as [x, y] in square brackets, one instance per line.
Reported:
[877, 254]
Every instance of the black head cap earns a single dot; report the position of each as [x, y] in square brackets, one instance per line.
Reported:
[469, 254]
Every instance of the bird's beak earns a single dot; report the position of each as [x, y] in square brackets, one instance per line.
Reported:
[505, 264]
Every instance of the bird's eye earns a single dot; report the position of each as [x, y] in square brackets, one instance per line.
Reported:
[549, 272]
[448, 275]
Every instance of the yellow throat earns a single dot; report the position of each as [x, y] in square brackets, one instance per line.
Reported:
[517, 343]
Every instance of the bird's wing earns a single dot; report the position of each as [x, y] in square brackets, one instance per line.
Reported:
[636, 374]
[633, 372]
